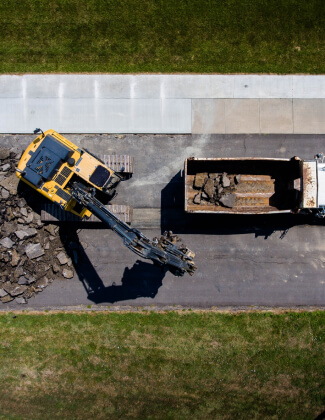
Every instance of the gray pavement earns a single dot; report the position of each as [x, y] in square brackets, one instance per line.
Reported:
[156, 103]
[242, 260]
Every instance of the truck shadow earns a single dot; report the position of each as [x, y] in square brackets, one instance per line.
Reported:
[141, 280]
[173, 217]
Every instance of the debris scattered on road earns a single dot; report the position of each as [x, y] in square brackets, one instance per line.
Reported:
[30, 251]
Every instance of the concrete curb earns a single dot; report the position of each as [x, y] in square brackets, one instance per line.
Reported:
[154, 103]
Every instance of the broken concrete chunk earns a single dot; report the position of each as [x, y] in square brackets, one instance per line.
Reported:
[225, 181]
[7, 228]
[27, 279]
[204, 196]
[200, 179]
[209, 188]
[15, 258]
[4, 193]
[6, 167]
[21, 300]
[50, 229]
[4, 154]
[10, 183]
[55, 268]
[29, 218]
[26, 233]
[63, 259]
[237, 179]
[3, 293]
[197, 198]
[6, 299]
[19, 272]
[213, 175]
[22, 280]
[228, 200]
[34, 251]
[30, 278]
[42, 283]
[68, 274]
[21, 202]
[7, 243]
[14, 289]
[24, 211]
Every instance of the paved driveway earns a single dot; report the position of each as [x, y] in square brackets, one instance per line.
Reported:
[266, 260]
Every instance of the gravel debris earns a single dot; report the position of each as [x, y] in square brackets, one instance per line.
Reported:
[29, 249]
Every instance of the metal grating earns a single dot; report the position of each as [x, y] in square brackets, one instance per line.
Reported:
[43, 163]
[64, 195]
[62, 176]
[66, 171]
[60, 179]
[115, 162]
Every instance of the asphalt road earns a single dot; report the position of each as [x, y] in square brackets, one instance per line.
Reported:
[242, 260]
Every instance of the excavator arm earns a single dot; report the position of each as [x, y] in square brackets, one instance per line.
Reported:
[163, 252]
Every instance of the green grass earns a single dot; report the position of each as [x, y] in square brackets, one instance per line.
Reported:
[162, 366]
[271, 36]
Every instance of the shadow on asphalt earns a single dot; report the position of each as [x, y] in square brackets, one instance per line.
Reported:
[142, 280]
[173, 217]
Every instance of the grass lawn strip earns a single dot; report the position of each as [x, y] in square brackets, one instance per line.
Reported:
[162, 365]
[232, 36]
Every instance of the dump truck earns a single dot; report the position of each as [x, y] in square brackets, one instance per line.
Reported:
[248, 185]
[83, 185]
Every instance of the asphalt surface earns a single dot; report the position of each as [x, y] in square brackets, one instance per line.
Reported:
[242, 260]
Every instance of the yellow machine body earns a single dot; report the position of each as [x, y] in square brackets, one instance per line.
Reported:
[51, 163]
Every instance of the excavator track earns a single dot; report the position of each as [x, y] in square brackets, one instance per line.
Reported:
[116, 162]
[52, 213]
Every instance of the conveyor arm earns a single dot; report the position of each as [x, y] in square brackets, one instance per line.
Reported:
[163, 252]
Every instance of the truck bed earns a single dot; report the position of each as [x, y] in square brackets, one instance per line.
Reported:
[241, 185]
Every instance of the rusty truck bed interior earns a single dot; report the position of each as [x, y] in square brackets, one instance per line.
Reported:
[256, 185]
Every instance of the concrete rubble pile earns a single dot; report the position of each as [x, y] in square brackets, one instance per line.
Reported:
[32, 254]
[215, 189]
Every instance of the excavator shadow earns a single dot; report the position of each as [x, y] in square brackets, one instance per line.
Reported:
[143, 280]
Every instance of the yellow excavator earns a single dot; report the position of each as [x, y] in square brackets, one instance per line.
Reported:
[81, 183]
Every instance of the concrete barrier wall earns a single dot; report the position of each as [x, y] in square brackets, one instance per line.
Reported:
[155, 103]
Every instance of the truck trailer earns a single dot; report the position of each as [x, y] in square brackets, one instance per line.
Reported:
[248, 185]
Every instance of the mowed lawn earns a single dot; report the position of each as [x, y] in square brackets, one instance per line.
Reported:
[175, 365]
[228, 36]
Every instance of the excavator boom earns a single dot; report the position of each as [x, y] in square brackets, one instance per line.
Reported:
[163, 252]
